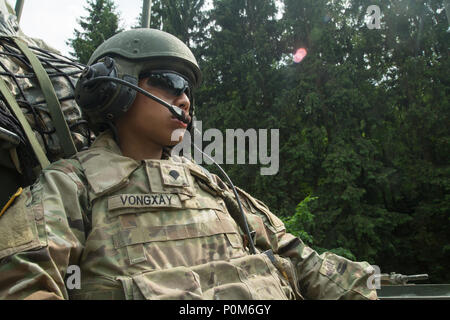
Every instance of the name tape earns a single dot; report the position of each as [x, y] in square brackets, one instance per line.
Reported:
[151, 200]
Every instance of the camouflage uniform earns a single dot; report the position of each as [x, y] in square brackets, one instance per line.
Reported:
[155, 229]
[63, 74]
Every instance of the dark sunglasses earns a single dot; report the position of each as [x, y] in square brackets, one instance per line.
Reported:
[170, 81]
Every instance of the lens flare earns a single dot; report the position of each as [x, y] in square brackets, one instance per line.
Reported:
[300, 55]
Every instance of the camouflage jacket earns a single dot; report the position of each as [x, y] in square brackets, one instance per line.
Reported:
[156, 229]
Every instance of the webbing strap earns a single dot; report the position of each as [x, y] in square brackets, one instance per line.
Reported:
[38, 151]
[172, 232]
[53, 104]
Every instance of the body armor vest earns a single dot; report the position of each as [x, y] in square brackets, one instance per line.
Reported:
[157, 233]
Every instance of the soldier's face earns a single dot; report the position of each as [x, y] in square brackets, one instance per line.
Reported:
[147, 121]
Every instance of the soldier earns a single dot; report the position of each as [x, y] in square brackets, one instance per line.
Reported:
[142, 224]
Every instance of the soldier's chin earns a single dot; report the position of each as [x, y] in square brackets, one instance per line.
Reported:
[174, 143]
[176, 137]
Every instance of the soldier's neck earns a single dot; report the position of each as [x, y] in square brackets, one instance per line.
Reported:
[138, 153]
[140, 150]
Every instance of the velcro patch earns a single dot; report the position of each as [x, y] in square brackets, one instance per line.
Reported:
[11, 201]
[18, 231]
[174, 175]
[328, 267]
[150, 200]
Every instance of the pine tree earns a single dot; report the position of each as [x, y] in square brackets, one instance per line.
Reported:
[101, 23]
[372, 141]
[155, 17]
[239, 61]
[182, 18]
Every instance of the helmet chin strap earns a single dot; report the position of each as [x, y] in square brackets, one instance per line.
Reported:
[177, 112]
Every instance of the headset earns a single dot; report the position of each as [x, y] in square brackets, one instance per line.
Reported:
[100, 92]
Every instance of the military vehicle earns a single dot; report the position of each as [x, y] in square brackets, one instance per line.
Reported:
[396, 286]
[41, 123]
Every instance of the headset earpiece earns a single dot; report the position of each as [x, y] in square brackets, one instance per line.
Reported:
[95, 94]
[103, 101]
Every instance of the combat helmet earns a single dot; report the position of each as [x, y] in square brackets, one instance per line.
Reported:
[127, 56]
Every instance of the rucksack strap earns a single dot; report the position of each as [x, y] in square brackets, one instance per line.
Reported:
[53, 104]
[38, 151]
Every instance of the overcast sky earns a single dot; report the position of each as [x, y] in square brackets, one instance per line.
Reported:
[54, 20]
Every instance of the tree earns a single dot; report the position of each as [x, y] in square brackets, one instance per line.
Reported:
[155, 17]
[240, 81]
[101, 23]
[363, 119]
[373, 143]
[184, 19]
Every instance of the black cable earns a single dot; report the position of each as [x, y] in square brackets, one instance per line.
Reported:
[19, 55]
[54, 68]
[70, 61]
[27, 158]
[244, 219]
[50, 75]
[61, 72]
[13, 76]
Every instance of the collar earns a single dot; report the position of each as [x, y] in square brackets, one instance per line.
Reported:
[106, 168]
[104, 165]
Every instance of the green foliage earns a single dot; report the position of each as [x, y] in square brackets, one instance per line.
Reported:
[302, 219]
[184, 19]
[101, 23]
[373, 143]
[363, 118]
